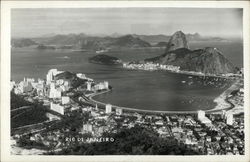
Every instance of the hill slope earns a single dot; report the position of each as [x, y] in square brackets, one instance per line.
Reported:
[208, 60]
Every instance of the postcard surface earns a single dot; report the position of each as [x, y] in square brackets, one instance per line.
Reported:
[89, 79]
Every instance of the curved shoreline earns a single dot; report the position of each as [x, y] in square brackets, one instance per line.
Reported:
[223, 97]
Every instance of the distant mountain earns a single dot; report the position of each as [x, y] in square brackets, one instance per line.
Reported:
[82, 41]
[177, 40]
[22, 42]
[153, 39]
[197, 37]
[208, 60]
[105, 59]
[130, 41]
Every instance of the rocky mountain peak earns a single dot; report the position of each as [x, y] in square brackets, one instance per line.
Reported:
[177, 40]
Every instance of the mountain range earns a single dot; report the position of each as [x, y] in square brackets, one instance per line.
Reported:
[83, 41]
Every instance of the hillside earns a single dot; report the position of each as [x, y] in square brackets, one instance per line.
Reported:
[208, 60]
[104, 59]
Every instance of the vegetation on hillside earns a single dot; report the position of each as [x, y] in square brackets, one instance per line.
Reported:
[134, 141]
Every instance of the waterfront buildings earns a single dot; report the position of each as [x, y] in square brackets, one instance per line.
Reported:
[108, 108]
[51, 74]
[229, 118]
[151, 66]
[210, 134]
[203, 119]
[118, 111]
[201, 114]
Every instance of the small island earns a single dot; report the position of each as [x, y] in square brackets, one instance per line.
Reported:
[105, 59]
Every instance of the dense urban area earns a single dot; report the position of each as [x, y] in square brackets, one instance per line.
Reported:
[58, 116]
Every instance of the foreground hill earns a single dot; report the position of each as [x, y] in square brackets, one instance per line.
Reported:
[130, 141]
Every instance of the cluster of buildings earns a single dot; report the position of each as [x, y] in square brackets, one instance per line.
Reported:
[221, 133]
[54, 92]
[156, 66]
[151, 66]
[28, 85]
[97, 87]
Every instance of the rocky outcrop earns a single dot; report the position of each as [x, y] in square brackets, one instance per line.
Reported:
[177, 40]
[208, 60]
[104, 59]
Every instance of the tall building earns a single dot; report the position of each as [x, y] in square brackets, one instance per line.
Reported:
[106, 85]
[88, 86]
[118, 111]
[108, 108]
[57, 108]
[201, 114]
[54, 93]
[229, 118]
[203, 118]
[51, 74]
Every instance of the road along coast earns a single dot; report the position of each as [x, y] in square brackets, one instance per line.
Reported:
[222, 101]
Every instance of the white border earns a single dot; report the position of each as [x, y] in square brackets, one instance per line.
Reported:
[5, 75]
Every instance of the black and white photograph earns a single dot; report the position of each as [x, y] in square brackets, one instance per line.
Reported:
[127, 81]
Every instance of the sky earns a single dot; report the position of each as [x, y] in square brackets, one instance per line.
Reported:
[219, 22]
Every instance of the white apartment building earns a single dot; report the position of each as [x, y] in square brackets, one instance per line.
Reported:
[57, 108]
[108, 108]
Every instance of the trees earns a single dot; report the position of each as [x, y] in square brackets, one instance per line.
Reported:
[134, 141]
[17, 101]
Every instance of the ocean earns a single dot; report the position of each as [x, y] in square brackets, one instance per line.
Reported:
[149, 90]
